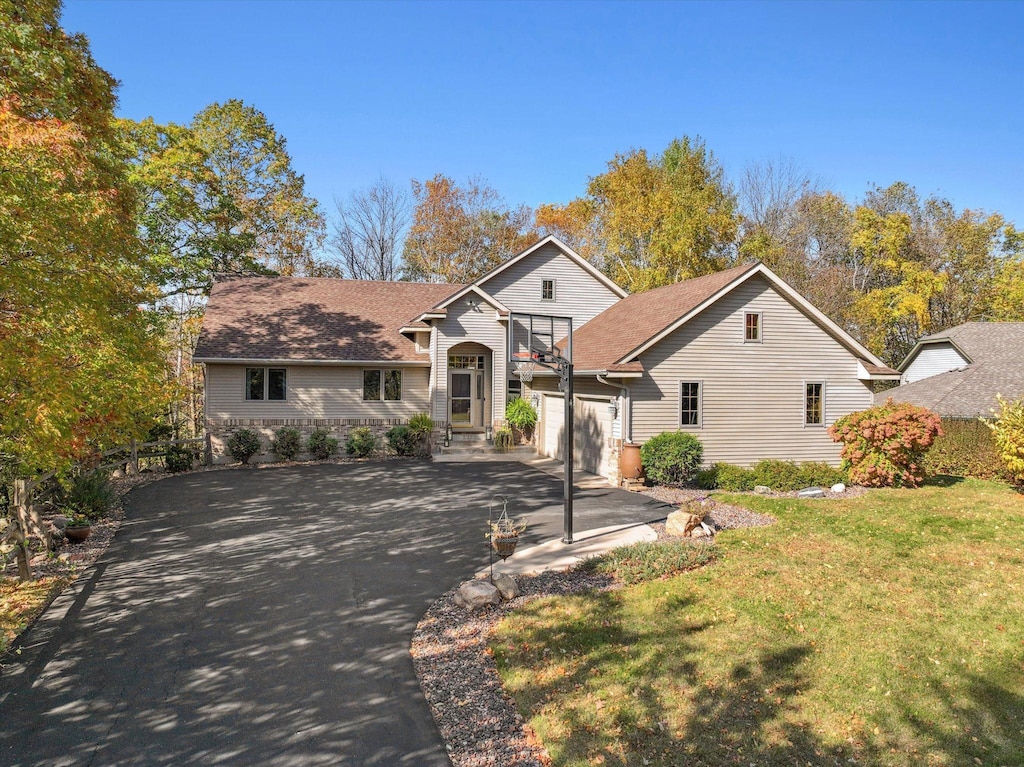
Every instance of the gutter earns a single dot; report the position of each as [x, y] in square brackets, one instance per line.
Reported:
[627, 414]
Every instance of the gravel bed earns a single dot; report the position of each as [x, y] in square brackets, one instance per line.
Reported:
[722, 516]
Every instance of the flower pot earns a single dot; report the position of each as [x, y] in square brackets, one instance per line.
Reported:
[78, 534]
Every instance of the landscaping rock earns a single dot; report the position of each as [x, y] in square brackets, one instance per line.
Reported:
[762, 490]
[506, 585]
[681, 523]
[476, 593]
[698, 532]
[811, 492]
[59, 522]
[839, 487]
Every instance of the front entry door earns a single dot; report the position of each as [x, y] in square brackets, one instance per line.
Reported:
[465, 399]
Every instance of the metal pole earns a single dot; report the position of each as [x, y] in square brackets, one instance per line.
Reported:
[570, 425]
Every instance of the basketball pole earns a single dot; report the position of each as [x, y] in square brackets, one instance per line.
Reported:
[565, 368]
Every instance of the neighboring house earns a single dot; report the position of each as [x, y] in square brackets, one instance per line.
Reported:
[737, 357]
[958, 373]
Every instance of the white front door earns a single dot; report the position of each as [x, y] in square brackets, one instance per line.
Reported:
[465, 399]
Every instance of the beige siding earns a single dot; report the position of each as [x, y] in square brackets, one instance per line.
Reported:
[578, 294]
[466, 324]
[314, 391]
[932, 360]
[753, 394]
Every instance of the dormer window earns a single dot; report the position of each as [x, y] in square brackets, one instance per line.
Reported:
[547, 290]
[752, 328]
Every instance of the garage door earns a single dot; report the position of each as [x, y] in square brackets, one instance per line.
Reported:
[593, 428]
[553, 417]
[591, 451]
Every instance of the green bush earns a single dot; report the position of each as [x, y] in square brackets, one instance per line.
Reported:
[885, 445]
[707, 479]
[361, 442]
[179, 458]
[503, 440]
[734, 478]
[650, 560]
[1008, 435]
[244, 444]
[322, 445]
[402, 440]
[422, 427]
[671, 458]
[965, 449]
[521, 415]
[781, 476]
[287, 443]
[91, 495]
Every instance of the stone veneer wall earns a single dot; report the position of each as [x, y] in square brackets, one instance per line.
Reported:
[221, 429]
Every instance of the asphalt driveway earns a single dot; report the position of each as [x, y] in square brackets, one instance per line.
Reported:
[264, 616]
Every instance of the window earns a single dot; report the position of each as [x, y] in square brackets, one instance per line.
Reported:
[515, 389]
[547, 290]
[752, 328]
[814, 404]
[382, 384]
[689, 403]
[266, 384]
[466, 361]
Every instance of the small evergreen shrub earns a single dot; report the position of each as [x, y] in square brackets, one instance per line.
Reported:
[361, 442]
[90, 495]
[402, 441]
[521, 415]
[244, 444]
[321, 445]
[965, 449]
[885, 445]
[503, 440]
[287, 443]
[179, 458]
[1008, 434]
[671, 458]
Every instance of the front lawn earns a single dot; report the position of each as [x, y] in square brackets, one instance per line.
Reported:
[881, 630]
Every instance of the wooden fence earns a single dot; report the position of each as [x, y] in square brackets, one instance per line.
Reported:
[25, 521]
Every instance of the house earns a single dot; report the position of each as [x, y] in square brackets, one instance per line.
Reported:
[958, 373]
[737, 357]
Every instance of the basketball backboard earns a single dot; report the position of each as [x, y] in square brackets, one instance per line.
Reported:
[540, 338]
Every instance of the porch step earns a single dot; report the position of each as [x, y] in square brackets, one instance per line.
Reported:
[483, 452]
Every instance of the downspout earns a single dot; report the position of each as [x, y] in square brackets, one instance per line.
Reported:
[627, 414]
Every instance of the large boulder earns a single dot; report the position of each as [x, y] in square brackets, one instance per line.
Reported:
[681, 523]
[476, 593]
[506, 585]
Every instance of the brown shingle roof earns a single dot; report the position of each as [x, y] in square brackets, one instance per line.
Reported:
[294, 318]
[627, 324]
[878, 369]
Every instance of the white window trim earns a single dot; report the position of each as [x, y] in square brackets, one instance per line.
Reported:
[381, 372]
[554, 289]
[823, 387]
[700, 405]
[266, 383]
[760, 328]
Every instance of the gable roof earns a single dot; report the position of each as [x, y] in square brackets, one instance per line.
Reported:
[996, 366]
[313, 319]
[617, 336]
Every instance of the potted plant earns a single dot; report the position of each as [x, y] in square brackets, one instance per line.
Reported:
[505, 534]
[79, 527]
[522, 417]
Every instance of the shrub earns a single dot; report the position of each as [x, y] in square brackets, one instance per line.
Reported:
[885, 445]
[287, 443]
[179, 458]
[965, 449]
[734, 478]
[322, 445]
[521, 415]
[1008, 434]
[244, 444]
[401, 440]
[90, 495]
[503, 440]
[671, 458]
[650, 560]
[422, 427]
[361, 442]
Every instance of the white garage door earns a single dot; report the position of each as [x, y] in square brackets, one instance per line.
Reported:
[591, 451]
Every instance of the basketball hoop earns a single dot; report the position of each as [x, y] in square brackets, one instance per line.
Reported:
[524, 367]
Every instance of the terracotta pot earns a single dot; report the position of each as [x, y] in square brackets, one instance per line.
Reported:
[630, 463]
[78, 534]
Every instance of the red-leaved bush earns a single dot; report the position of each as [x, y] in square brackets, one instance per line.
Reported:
[883, 446]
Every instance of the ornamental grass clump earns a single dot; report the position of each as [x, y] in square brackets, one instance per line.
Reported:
[884, 446]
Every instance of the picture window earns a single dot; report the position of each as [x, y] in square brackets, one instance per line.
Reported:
[263, 384]
[383, 385]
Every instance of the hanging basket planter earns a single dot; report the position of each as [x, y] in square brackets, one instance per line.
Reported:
[504, 532]
[505, 544]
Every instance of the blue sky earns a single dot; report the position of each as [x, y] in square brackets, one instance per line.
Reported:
[537, 97]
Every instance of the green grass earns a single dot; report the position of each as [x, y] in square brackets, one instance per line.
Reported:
[886, 629]
[650, 560]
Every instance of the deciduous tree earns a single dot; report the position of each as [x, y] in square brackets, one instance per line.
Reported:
[368, 233]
